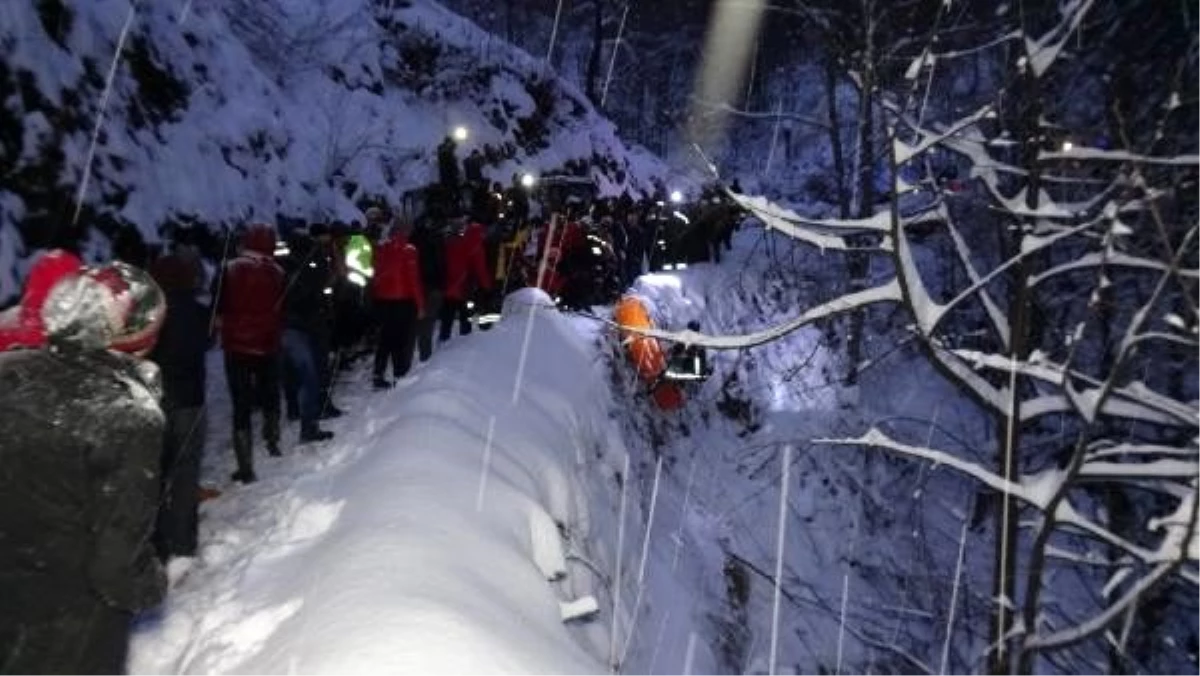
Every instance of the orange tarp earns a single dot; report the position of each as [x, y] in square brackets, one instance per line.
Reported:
[644, 352]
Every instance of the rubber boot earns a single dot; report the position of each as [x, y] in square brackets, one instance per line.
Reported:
[310, 431]
[244, 452]
[271, 435]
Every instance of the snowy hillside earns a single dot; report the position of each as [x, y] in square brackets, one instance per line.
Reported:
[225, 110]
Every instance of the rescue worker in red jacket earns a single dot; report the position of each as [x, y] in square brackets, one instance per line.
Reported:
[572, 237]
[399, 303]
[250, 307]
[466, 271]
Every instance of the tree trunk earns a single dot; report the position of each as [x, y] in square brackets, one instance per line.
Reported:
[593, 66]
[856, 262]
[835, 139]
[1009, 461]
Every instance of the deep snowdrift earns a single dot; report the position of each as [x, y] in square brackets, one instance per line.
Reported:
[412, 542]
[242, 109]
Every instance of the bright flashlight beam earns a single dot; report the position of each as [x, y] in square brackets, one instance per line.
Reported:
[460, 133]
[732, 32]
[676, 196]
[528, 180]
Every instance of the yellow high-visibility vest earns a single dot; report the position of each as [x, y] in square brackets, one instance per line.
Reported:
[359, 259]
[508, 250]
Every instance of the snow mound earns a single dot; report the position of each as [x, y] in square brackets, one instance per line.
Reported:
[439, 533]
[520, 302]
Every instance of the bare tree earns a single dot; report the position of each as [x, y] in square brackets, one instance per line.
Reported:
[1080, 274]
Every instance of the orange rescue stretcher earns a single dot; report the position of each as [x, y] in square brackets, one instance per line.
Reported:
[645, 354]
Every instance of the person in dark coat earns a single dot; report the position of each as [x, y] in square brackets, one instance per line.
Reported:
[516, 201]
[731, 221]
[399, 302]
[182, 345]
[635, 245]
[249, 306]
[473, 168]
[80, 436]
[321, 327]
[428, 238]
[448, 165]
[306, 315]
[129, 246]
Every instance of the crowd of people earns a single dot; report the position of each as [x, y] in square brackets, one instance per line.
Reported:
[103, 451]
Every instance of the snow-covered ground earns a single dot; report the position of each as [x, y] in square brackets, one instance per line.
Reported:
[420, 539]
[408, 542]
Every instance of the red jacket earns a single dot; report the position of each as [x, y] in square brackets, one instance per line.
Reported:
[251, 298]
[552, 281]
[398, 272]
[466, 258]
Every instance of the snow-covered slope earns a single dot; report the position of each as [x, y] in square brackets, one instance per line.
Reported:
[422, 538]
[416, 541]
[226, 110]
[869, 544]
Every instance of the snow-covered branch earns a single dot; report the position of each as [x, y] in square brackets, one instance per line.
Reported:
[1143, 450]
[1099, 622]
[906, 151]
[813, 231]
[999, 321]
[885, 293]
[877, 439]
[1179, 545]
[1042, 53]
[1078, 153]
[1140, 401]
[1035, 490]
[727, 109]
[1092, 260]
[1029, 246]
[1158, 469]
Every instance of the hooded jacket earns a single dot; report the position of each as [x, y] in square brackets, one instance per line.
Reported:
[80, 437]
[398, 272]
[185, 336]
[307, 302]
[250, 301]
